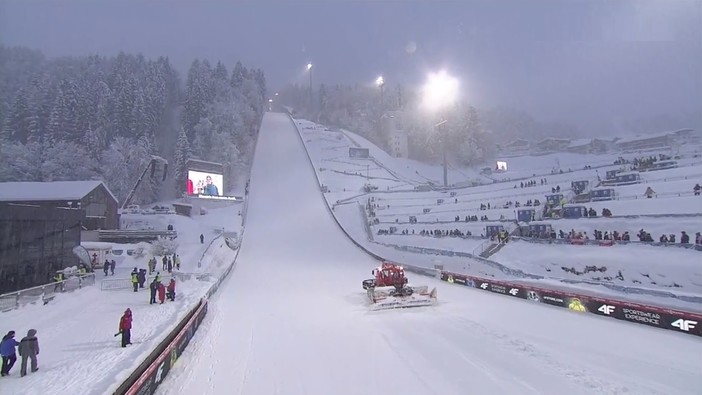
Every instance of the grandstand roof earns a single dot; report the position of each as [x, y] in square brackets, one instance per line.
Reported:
[48, 191]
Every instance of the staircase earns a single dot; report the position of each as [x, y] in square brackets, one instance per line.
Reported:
[494, 248]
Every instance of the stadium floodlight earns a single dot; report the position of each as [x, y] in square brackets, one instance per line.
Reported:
[380, 81]
[439, 91]
[309, 69]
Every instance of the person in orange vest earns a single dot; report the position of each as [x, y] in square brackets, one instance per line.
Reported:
[171, 290]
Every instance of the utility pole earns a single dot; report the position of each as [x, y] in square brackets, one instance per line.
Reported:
[399, 97]
[442, 135]
[309, 70]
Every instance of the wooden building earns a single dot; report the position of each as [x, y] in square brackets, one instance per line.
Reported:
[100, 205]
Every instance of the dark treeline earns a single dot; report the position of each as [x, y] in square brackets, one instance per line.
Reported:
[94, 117]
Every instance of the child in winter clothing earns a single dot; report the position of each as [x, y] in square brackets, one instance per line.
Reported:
[7, 350]
[29, 349]
[125, 327]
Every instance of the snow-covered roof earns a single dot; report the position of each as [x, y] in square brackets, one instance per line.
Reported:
[641, 138]
[205, 162]
[96, 245]
[558, 140]
[46, 191]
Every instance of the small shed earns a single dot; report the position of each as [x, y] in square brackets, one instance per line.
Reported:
[540, 229]
[554, 199]
[493, 230]
[526, 215]
[579, 186]
[602, 194]
[98, 251]
[574, 212]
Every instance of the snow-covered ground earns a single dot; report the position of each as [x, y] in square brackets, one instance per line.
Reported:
[395, 201]
[641, 265]
[79, 354]
[292, 319]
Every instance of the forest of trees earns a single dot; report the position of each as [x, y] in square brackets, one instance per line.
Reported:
[94, 117]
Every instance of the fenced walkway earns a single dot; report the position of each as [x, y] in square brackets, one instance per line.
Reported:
[44, 293]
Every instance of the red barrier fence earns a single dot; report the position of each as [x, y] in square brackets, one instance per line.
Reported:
[153, 374]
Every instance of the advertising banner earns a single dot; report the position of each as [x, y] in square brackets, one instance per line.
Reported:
[156, 372]
[205, 183]
[684, 322]
[648, 315]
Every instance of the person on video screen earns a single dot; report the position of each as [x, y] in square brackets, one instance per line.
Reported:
[210, 188]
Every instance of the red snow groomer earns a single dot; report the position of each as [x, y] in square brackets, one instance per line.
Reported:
[390, 289]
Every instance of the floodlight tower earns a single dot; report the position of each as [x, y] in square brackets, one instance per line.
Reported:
[380, 82]
[309, 70]
[438, 93]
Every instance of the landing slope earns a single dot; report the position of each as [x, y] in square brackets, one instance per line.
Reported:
[291, 319]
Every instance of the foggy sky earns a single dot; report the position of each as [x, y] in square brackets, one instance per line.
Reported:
[577, 61]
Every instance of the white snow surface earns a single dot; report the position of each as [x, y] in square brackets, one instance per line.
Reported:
[79, 354]
[292, 318]
[673, 210]
[643, 266]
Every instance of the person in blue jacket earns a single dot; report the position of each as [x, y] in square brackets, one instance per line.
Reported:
[7, 350]
[210, 188]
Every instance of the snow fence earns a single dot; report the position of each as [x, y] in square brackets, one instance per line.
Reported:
[659, 317]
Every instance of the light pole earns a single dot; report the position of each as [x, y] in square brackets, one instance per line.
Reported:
[439, 92]
[380, 81]
[437, 127]
[309, 70]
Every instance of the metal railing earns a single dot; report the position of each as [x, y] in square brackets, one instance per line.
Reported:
[44, 293]
[112, 284]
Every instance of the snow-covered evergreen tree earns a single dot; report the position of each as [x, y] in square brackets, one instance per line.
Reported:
[180, 159]
[111, 114]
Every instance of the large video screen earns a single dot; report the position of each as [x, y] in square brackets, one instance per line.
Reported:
[205, 183]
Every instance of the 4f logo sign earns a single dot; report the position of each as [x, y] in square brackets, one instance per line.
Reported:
[684, 325]
[514, 291]
[484, 285]
[606, 309]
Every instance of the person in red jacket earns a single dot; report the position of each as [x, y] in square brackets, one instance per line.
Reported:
[171, 289]
[125, 327]
[161, 292]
